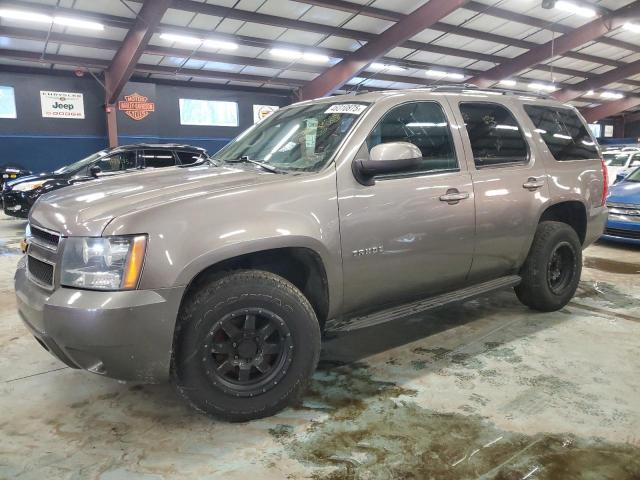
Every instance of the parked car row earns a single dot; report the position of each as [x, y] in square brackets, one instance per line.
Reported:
[621, 162]
[19, 194]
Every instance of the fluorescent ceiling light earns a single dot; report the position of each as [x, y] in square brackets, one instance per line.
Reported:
[436, 73]
[296, 55]
[442, 74]
[27, 16]
[314, 57]
[222, 44]
[575, 9]
[506, 127]
[632, 27]
[181, 39]
[508, 83]
[590, 93]
[42, 18]
[542, 86]
[611, 95]
[75, 22]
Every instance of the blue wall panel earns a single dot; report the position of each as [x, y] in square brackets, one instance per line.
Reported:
[41, 153]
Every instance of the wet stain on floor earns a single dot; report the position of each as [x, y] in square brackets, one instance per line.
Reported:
[375, 430]
[605, 292]
[612, 266]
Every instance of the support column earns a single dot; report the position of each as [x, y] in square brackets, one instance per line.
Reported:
[112, 126]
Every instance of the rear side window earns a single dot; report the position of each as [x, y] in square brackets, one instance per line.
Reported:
[423, 124]
[495, 136]
[564, 133]
[187, 158]
[158, 158]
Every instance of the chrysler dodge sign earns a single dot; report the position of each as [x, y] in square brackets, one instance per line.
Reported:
[62, 104]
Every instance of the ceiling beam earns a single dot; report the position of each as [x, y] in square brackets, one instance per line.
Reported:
[574, 39]
[392, 16]
[598, 81]
[132, 47]
[123, 22]
[339, 74]
[608, 109]
[143, 68]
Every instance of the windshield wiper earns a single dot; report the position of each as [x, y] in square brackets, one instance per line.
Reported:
[265, 166]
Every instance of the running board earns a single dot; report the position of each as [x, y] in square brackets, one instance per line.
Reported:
[419, 306]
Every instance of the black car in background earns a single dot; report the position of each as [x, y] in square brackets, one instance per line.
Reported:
[19, 195]
[9, 172]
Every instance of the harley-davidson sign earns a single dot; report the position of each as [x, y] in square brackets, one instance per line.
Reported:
[136, 106]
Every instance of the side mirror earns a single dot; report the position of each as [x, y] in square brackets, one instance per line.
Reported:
[94, 170]
[393, 157]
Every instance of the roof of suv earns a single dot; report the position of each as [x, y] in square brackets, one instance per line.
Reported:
[171, 146]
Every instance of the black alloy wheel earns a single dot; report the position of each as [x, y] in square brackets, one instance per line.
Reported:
[561, 267]
[248, 351]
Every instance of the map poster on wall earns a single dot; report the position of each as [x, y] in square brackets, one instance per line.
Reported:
[62, 104]
[7, 102]
[260, 112]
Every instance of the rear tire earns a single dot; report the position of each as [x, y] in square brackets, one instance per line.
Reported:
[551, 272]
[246, 346]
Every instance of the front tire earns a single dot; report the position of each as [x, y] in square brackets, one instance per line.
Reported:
[246, 346]
[551, 272]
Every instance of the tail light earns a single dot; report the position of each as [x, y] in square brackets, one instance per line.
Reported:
[605, 180]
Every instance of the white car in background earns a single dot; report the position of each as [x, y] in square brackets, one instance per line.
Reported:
[621, 162]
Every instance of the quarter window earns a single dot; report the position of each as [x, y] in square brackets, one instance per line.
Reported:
[564, 133]
[158, 158]
[423, 124]
[495, 136]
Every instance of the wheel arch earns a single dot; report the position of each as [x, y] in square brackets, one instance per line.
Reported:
[571, 212]
[303, 266]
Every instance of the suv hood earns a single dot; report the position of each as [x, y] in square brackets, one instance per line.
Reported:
[86, 209]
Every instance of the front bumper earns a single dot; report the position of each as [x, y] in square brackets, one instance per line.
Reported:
[620, 229]
[126, 335]
[18, 204]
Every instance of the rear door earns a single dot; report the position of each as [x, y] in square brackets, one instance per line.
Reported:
[405, 236]
[509, 182]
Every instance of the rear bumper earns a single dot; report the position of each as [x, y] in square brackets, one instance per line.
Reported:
[124, 335]
[595, 225]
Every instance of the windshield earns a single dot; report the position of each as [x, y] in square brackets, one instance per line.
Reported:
[634, 176]
[80, 164]
[301, 138]
[616, 159]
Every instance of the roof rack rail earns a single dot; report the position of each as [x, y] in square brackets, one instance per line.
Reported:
[460, 87]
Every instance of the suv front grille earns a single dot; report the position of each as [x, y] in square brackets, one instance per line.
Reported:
[41, 272]
[624, 209]
[45, 238]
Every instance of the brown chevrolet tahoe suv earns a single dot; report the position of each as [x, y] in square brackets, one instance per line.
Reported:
[221, 278]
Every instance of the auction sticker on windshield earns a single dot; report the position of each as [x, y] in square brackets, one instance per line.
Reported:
[353, 108]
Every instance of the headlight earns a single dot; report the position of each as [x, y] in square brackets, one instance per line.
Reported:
[103, 263]
[26, 186]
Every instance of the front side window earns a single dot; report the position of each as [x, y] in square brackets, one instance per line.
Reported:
[424, 124]
[495, 136]
[564, 133]
[302, 138]
[117, 161]
[158, 158]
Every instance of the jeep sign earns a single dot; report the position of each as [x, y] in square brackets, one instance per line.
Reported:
[62, 104]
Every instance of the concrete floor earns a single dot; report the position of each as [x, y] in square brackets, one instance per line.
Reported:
[487, 390]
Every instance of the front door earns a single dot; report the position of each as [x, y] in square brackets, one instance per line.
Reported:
[410, 235]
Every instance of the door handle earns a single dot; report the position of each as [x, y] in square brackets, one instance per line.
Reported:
[453, 196]
[533, 183]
